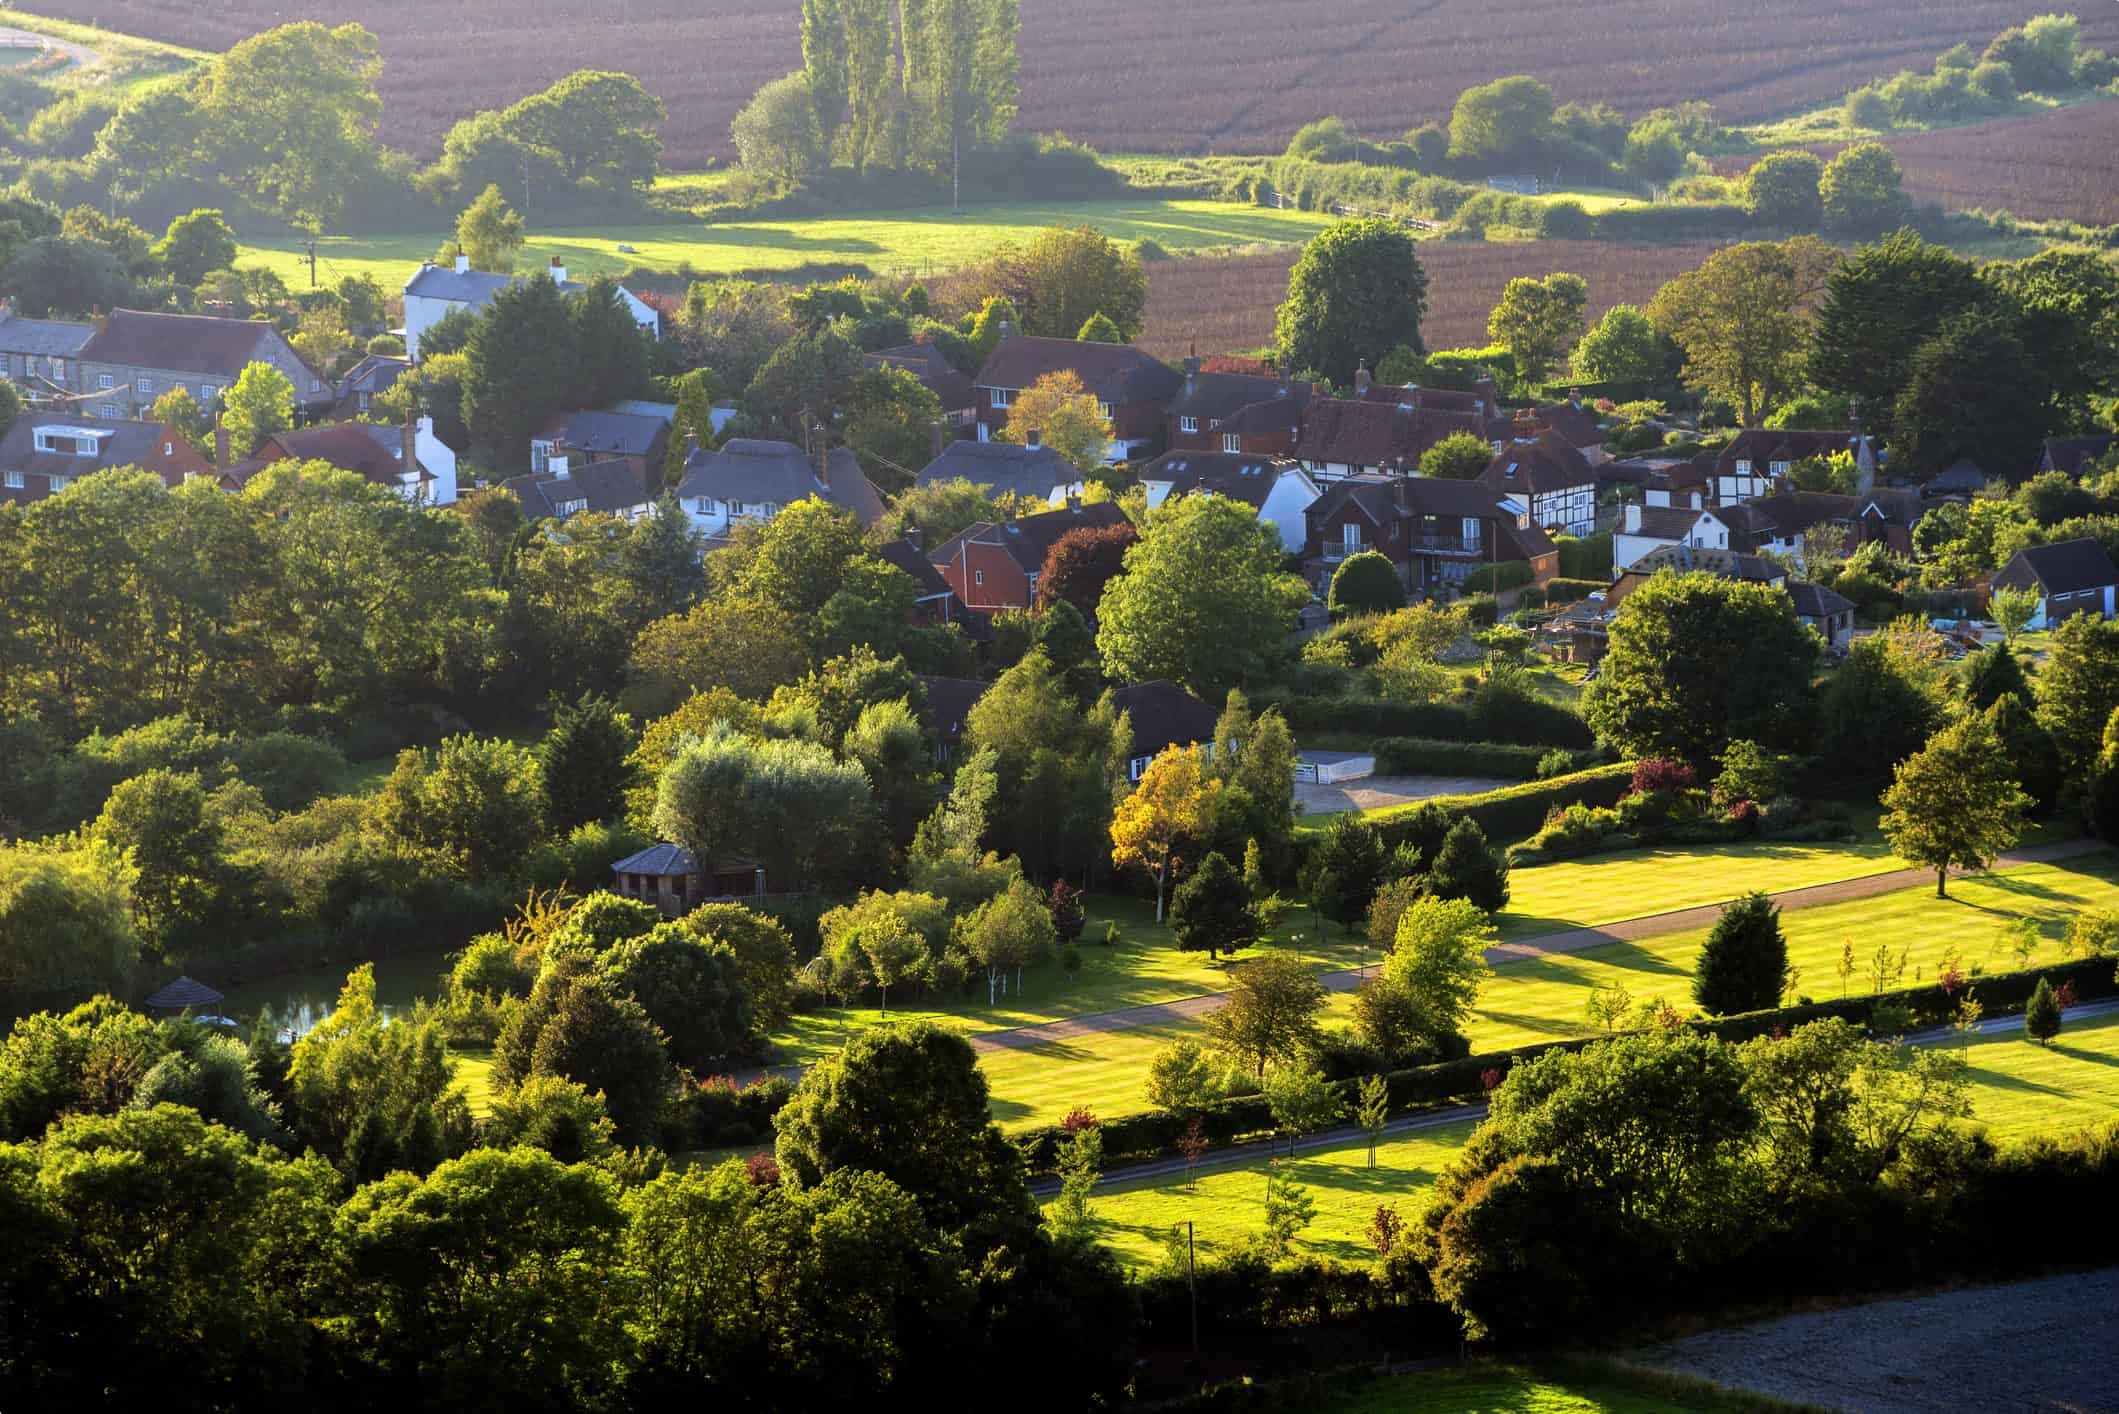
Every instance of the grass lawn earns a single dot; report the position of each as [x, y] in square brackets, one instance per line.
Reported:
[474, 1076]
[920, 240]
[1507, 1389]
[1830, 124]
[123, 61]
[2020, 1087]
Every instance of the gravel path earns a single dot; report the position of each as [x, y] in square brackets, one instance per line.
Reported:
[2042, 1345]
[81, 54]
[1382, 792]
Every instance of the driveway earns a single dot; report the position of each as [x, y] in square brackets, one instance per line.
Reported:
[1381, 792]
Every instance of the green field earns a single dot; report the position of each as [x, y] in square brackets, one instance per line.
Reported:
[1506, 1389]
[123, 61]
[921, 241]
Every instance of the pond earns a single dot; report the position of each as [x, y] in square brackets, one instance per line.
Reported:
[298, 1001]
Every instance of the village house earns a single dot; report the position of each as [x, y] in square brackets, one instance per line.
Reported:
[1032, 472]
[995, 564]
[669, 877]
[409, 459]
[752, 480]
[1573, 422]
[592, 435]
[2073, 455]
[135, 356]
[1132, 389]
[1385, 429]
[937, 374]
[616, 487]
[1275, 487]
[41, 357]
[1581, 632]
[1204, 413]
[1436, 533]
[433, 293]
[362, 384]
[1554, 480]
[1758, 460]
[1642, 530]
[2070, 577]
[1162, 715]
[933, 601]
[45, 452]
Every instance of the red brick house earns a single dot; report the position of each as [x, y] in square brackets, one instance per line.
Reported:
[45, 452]
[1215, 412]
[1386, 429]
[995, 564]
[1435, 532]
[1132, 387]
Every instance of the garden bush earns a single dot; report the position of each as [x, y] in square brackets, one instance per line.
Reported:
[1572, 591]
[1508, 574]
[1538, 723]
[1427, 756]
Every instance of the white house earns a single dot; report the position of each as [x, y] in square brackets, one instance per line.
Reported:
[2070, 577]
[1555, 480]
[1647, 529]
[1276, 487]
[433, 293]
[750, 480]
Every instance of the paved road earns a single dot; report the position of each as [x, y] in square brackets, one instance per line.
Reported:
[81, 54]
[1570, 940]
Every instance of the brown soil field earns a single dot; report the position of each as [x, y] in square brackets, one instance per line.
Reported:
[1226, 303]
[1186, 76]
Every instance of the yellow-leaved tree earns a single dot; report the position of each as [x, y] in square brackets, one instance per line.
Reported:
[1064, 415]
[1174, 803]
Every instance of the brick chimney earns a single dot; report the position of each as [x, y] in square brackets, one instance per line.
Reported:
[463, 263]
[1362, 380]
[1192, 368]
[1034, 438]
[559, 271]
[220, 442]
[408, 442]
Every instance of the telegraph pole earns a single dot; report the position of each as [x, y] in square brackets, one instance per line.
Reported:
[309, 245]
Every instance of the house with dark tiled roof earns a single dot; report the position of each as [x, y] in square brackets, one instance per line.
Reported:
[1132, 388]
[995, 564]
[1031, 473]
[1204, 412]
[2070, 577]
[936, 373]
[1163, 715]
[1275, 487]
[1826, 612]
[45, 452]
[1757, 459]
[614, 488]
[1435, 532]
[944, 707]
[1382, 429]
[933, 601]
[2073, 455]
[748, 479]
[362, 384]
[41, 357]
[434, 292]
[409, 460]
[138, 355]
[669, 877]
[599, 435]
[1550, 477]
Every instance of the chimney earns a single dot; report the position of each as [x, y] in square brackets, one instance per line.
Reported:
[220, 442]
[1034, 438]
[1633, 517]
[1192, 368]
[939, 438]
[463, 263]
[557, 466]
[559, 271]
[1074, 503]
[1362, 380]
[408, 442]
[1402, 493]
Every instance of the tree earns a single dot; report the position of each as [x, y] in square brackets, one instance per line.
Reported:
[2029, 750]
[1743, 320]
[1182, 1079]
[160, 819]
[1374, 1111]
[1622, 347]
[57, 276]
[1302, 1101]
[1213, 910]
[490, 233]
[1743, 966]
[893, 954]
[1271, 1012]
[1010, 931]
[890, 420]
[1174, 803]
[196, 243]
[806, 816]
[1507, 120]
[1881, 304]
[65, 921]
[1096, 329]
[1539, 321]
[1863, 189]
[259, 404]
[576, 1025]
[1357, 292]
[1070, 275]
[557, 1116]
[1057, 766]
[2066, 305]
[1203, 601]
[960, 71]
[1366, 583]
[1954, 803]
[1461, 456]
[1439, 962]
[2078, 688]
[1697, 662]
[373, 1094]
[176, 409]
[1079, 564]
[611, 351]
[1976, 354]
[518, 366]
[1994, 672]
[1782, 190]
[691, 989]
[1060, 413]
[1466, 867]
[887, 741]
[909, 1102]
[592, 126]
[1346, 869]
[476, 804]
[1879, 706]
[290, 117]
[2041, 1014]
[2013, 609]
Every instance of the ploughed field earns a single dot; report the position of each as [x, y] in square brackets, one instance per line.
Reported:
[1184, 76]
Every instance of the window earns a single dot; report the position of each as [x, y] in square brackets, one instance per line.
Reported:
[207, 393]
[169, 449]
[1105, 409]
[1471, 530]
[364, 402]
[55, 483]
[706, 505]
[1213, 422]
[1188, 424]
[59, 369]
[105, 381]
[1743, 467]
[1002, 397]
[144, 387]
[540, 455]
[1350, 538]
[978, 577]
[14, 481]
[107, 410]
[1230, 442]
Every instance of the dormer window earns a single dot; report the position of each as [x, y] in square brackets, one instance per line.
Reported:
[1779, 468]
[1743, 467]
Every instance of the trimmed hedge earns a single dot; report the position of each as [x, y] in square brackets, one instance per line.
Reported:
[1516, 812]
[1425, 756]
[1527, 723]
[1569, 591]
[1154, 1135]
[1494, 578]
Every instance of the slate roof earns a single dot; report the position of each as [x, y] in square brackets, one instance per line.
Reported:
[1004, 467]
[2064, 567]
[471, 287]
[2069, 454]
[618, 433]
[183, 993]
[1962, 478]
[1575, 423]
[1274, 415]
[1790, 513]
[1028, 539]
[373, 374]
[927, 363]
[43, 338]
[1814, 601]
[660, 860]
[945, 704]
[1377, 434]
[181, 343]
[1666, 522]
[927, 580]
[609, 486]
[1163, 714]
[1116, 373]
[1212, 396]
[365, 448]
[1723, 564]
[749, 469]
[1236, 475]
[1550, 463]
[129, 444]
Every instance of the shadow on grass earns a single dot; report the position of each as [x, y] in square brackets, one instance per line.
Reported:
[1979, 1075]
[1542, 1025]
[2079, 1054]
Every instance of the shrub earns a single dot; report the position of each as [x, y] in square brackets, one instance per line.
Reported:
[1514, 812]
[1425, 756]
[1365, 583]
[1657, 775]
[1555, 763]
[1480, 610]
[1535, 722]
[1744, 963]
[1572, 591]
[1494, 578]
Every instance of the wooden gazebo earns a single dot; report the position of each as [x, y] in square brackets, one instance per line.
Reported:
[183, 995]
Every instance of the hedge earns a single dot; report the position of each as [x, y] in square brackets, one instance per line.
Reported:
[1515, 812]
[1154, 1134]
[1588, 557]
[1672, 221]
[1425, 756]
[1492, 579]
[1526, 723]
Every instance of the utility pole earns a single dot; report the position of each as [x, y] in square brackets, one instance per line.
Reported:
[309, 245]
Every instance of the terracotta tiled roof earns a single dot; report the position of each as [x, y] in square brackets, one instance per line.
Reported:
[1116, 373]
